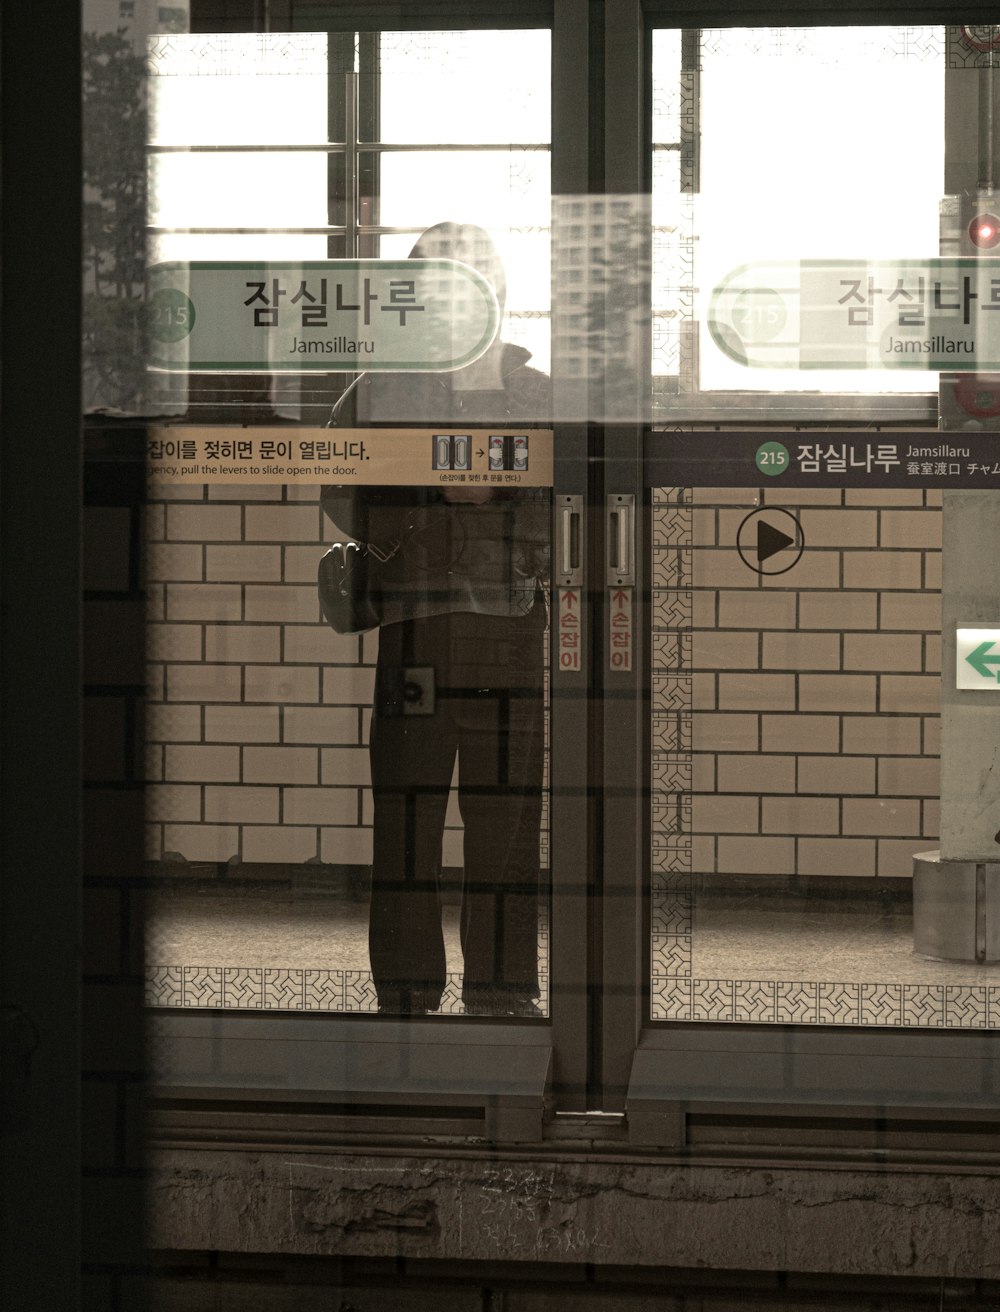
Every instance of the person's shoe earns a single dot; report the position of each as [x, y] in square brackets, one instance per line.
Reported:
[481, 1000]
[525, 1007]
[499, 1002]
[406, 1002]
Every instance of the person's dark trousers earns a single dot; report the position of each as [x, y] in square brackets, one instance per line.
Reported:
[488, 709]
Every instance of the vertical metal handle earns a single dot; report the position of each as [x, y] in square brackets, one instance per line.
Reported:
[569, 541]
[621, 539]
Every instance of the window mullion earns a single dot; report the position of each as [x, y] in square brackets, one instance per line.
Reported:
[369, 127]
[340, 125]
[690, 184]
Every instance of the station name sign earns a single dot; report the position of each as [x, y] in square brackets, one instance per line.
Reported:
[236, 316]
[934, 314]
[896, 458]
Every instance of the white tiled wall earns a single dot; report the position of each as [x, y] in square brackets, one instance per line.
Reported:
[258, 715]
[810, 699]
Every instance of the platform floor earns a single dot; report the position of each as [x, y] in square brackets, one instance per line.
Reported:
[821, 946]
[740, 945]
[313, 933]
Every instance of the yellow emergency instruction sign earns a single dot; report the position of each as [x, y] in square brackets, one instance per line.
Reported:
[398, 457]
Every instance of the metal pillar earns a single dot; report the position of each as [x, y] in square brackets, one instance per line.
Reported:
[956, 891]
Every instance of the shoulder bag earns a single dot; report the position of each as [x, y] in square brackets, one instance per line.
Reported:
[348, 589]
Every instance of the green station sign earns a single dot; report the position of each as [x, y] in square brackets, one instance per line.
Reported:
[933, 314]
[238, 316]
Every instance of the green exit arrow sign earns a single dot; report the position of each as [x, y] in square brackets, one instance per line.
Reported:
[977, 659]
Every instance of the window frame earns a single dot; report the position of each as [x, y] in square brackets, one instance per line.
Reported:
[603, 1050]
[241, 1058]
[677, 1069]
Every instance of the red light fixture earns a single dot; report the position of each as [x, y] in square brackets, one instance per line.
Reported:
[981, 37]
[984, 231]
[979, 395]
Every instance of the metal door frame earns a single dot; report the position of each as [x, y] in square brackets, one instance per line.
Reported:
[231, 1056]
[661, 1073]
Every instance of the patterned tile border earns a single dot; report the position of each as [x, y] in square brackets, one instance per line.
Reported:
[770, 1002]
[973, 47]
[671, 909]
[263, 988]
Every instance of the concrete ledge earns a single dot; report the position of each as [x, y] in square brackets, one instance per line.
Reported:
[501, 1071]
[503, 1208]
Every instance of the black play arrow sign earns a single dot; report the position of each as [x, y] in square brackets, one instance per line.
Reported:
[758, 539]
[770, 541]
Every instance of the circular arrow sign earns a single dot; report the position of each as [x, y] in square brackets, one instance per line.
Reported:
[770, 541]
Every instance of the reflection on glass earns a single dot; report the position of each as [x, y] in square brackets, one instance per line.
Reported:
[244, 189]
[526, 260]
[737, 178]
[492, 189]
[457, 576]
[263, 822]
[795, 735]
[439, 94]
[825, 182]
[238, 88]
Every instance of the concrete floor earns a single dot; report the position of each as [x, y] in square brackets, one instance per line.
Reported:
[826, 946]
[261, 946]
[311, 933]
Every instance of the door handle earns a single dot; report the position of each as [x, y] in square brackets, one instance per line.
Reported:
[621, 539]
[569, 541]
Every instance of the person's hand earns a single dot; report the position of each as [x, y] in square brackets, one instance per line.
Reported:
[471, 495]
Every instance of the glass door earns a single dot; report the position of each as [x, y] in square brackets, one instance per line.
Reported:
[819, 411]
[349, 524]
[544, 553]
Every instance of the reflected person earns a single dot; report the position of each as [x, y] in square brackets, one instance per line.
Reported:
[461, 600]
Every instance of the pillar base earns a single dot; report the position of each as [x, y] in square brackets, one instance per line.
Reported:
[956, 909]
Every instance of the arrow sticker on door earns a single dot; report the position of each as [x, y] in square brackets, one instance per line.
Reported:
[620, 626]
[569, 630]
[977, 659]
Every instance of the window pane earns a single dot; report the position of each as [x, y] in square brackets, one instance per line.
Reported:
[829, 181]
[354, 820]
[235, 246]
[795, 762]
[667, 98]
[796, 647]
[493, 189]
[238, 89]
[246, 189]
[435, 90]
